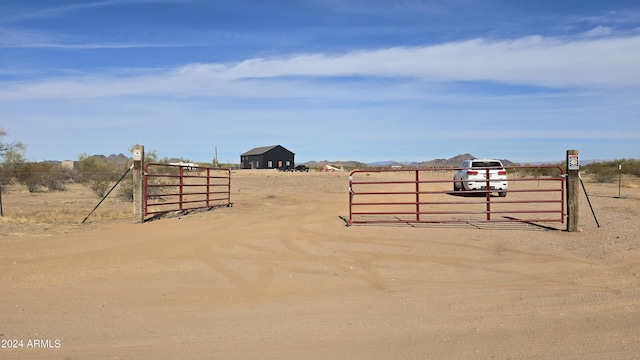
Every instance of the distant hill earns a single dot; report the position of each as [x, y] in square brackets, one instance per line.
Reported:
[112, 159]
[349, 164]
[455, 161]
[346, 164]
[451, 162]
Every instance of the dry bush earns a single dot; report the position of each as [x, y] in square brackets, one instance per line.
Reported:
[99, 184]
[37, 175]
[55, 180]
[125, 190]
[608, 171]
[30, 175]
[98, 173]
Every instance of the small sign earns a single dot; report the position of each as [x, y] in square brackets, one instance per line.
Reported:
[137, 155]
[574, 163]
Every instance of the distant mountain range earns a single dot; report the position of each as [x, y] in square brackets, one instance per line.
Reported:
[352, 164]
[451, 162]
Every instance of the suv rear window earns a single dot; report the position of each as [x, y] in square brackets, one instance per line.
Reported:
[485, 164]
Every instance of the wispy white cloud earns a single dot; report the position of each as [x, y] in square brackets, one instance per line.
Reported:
[609, 62]
[600, 31]
[539, 61]
[18, 38]
[609, 17]
[383, 7]
[40, 12]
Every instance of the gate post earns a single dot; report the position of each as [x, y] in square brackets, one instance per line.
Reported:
[138, 186]
[573, 187]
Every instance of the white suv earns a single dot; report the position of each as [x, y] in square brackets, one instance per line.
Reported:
[472, 175]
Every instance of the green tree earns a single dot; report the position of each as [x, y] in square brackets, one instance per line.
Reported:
[11, 152]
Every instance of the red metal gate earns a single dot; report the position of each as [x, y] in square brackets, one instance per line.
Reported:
[535, 194]
[169, 188]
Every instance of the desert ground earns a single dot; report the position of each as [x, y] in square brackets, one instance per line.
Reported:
[279, 275]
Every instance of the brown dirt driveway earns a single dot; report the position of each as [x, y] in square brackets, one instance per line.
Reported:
[280, 276]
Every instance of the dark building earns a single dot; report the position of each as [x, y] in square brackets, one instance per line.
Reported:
[267, 157]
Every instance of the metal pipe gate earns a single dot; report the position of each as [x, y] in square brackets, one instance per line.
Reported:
[169, 188]
[428, 196]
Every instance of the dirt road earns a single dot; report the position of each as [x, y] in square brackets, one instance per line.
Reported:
[280, 276]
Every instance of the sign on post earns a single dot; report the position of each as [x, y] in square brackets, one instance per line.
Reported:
[573, 162]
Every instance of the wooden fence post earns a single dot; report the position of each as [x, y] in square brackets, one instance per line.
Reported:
[138, 183]
[573, 189]
[1, 215]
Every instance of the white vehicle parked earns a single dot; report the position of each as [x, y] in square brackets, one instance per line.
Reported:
[472, 175]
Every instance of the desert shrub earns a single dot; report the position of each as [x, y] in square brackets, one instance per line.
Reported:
[542, 172]
[155, 191]
[35, 175]
[602, 172]
[99, 183]
[26, 175]
[54, 179]
[97, 173]
[6, 177]
[603, 177]
[32, 175]
[125, 190]
[608, 171]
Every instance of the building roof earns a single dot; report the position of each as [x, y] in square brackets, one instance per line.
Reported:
[262, 150]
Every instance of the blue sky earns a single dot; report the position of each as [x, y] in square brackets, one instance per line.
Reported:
[365, 80]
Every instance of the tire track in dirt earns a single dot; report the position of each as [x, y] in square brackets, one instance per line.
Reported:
[248, 289]
[342, 264]
[294, 252]
[304, 247]
[264, 255]
[514, 265]
[310, 244]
